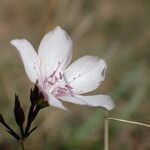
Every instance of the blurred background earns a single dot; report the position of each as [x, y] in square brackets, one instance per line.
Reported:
[117, 30]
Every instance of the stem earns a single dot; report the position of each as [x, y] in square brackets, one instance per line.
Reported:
[32, 115]
[28, 128]
[22, 131]
[128, 121]
[22, 145]
[106, 127]
[106, 132]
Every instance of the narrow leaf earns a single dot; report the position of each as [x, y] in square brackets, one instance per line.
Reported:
[8, 128]
[13, 135]
[2, 119]
[32, 130]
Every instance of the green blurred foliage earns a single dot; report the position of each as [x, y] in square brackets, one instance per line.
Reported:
[117, 30]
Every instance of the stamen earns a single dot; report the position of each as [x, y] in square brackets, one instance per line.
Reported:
[61, 88]
[68, 86]
[56, 79]
[50, 82]
[55, 86]
[52, 74]
[60, 75]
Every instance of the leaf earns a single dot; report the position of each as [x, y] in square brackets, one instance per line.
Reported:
[32, 130]
[18, 112]
[13, 134]
[2, 119]
[8, 128]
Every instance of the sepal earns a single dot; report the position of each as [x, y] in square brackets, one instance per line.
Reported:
[18, 112]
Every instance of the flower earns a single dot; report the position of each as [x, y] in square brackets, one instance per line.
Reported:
[48, 69]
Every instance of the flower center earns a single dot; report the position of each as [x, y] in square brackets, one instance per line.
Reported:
[56, 84]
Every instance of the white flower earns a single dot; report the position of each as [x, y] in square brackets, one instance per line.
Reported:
[48, 69]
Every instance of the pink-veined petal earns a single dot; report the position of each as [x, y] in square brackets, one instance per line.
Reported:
[53, 101]
[55, 51]
[85, 74]
[29, 58]
[103, 101]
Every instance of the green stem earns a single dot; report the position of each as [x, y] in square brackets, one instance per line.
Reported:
[22, 145]
[22, 131]
[106, 132]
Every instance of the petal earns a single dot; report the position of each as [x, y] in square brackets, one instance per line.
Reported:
[55, 51]
[72, 99]
[53, 101]
[29, 58]
[85, 74]
[94, 100]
